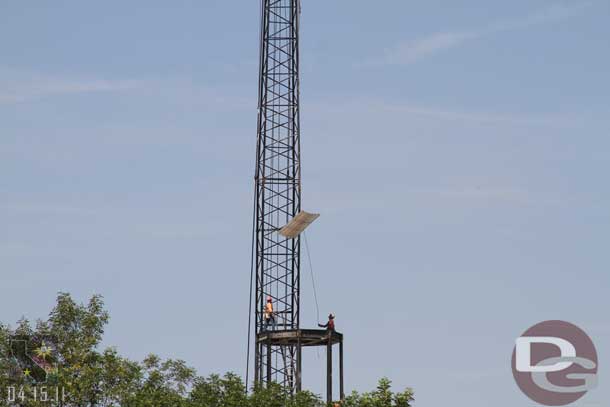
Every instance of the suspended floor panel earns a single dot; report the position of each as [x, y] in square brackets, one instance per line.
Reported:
[298, 224]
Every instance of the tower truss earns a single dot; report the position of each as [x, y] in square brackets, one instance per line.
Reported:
[278, 189]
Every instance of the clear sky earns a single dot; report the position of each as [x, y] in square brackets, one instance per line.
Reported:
[458, 152]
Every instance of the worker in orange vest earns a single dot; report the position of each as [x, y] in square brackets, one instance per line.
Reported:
[269, 315]
[330, 325]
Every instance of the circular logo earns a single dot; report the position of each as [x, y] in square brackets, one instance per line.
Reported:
[555, 363]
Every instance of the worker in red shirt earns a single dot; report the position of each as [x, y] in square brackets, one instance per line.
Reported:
[330, 325]
[269, 315]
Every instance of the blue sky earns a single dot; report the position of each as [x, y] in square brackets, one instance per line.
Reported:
[457, 152]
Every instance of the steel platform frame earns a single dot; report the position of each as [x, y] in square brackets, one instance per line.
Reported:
[300, 338]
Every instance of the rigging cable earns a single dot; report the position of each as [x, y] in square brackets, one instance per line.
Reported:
[313, 284]
[313, 281]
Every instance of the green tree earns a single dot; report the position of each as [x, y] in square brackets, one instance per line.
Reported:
[382, 396]
[78, 330]
[119, 380]
[216, 391]
[90, 377]
[162, 384]
[102, 378]
[229, 391]
[305, 399]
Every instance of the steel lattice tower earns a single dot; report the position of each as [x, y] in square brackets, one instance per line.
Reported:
[277, 259]
[278, 187]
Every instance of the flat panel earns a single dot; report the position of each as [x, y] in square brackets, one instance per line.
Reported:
[298, 224]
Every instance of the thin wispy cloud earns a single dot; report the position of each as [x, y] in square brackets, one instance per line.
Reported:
[29, 209]
[26, 86]
[413, 50]
[18, 87]
[371, 106]
[410, 51]
[480, 117]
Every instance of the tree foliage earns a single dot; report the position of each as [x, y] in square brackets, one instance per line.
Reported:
[94, 377]
[382, 396]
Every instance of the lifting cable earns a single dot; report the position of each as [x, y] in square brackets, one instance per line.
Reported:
[313, 284]
[313, 281]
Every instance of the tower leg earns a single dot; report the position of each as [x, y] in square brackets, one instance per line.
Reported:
[329, 372]
[269, 365]
[341, 389]
[257, 364]
[299, 366]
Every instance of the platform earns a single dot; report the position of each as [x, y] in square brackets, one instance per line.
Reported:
[298, 339]
[303, 337]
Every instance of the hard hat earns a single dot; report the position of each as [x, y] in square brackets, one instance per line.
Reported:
[269, 299]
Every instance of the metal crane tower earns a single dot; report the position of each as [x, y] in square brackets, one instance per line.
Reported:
[278, 184]
[277, 259]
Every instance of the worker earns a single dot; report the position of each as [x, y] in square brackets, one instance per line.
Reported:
[330, 325]
[269, 315]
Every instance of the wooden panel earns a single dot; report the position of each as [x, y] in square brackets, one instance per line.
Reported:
[298, 224]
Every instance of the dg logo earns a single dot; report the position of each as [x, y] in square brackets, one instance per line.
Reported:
[555, 363]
